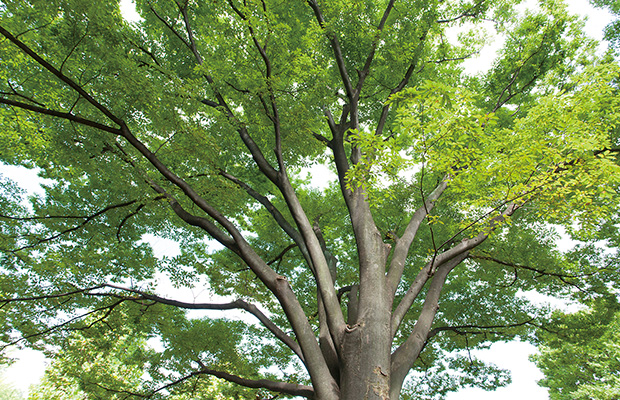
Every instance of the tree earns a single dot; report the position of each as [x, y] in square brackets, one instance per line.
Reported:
[579, 353]
[104, 363]
[612, 30]
[200, 122]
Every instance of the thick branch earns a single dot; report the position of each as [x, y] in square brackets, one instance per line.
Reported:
[125, 132]
[237, 304]
[322, 271]
[274, 386]
[277, 284]
[429, 269]
[331, 260]
[198, 221]
[412, 293]
[69, 82]
[64, 115]
[278, 387]
[401, 249]
[405, 355]
[372, 251]
[275, 213]
[325, 339]
[321, 377]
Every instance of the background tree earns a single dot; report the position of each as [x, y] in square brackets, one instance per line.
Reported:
[579, 354]
[110, 361]
[612, 31]
[200, 123]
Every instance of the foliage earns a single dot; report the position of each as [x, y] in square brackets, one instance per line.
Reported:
[8, 392]
[612, 31]
[112, 362]
[579, 352]
[199, 124]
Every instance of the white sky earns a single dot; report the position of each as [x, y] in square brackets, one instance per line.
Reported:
[513, 356]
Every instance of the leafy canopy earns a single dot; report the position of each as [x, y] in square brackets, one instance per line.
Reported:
[203, 122]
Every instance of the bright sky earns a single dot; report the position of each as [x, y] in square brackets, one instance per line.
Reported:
[513, 356]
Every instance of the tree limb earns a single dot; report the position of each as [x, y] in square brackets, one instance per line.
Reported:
[87, 219]
[403, 244]
[438, 260]
[174, 31]
[274, 386]
[565, 278]
[277, 284]
[466, 13]
[366, 69]
[107, 308]
[255, 151]
[405, 355]
[401, 85]
[276, 214]
[279, 387]
[513, 79]
[459, 329]
[138, 145]
[48, 296]
[69, 82]
[275, 118]
[237, 304]
[64, 115]
[335, 43]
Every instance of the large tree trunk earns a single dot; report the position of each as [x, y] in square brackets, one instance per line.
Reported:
[365, 369]
[366, 346]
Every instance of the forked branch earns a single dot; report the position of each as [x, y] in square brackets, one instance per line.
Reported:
[69, 82]
[405, 355]
[335, 43]
[403, 244]
[86, 220]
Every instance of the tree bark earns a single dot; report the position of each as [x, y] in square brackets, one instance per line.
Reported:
[365, 369]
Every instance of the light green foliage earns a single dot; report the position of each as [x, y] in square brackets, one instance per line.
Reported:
[556, 157]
